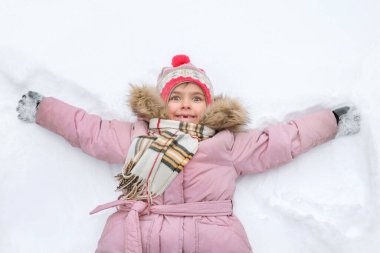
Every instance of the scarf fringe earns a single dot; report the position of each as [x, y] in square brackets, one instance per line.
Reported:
[132, 187]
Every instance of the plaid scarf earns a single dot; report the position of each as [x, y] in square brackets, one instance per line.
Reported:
[154, 161]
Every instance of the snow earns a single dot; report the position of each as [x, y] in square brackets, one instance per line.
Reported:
[280, 58]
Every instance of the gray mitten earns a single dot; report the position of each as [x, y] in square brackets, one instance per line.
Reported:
[348, 119]
[28, 105]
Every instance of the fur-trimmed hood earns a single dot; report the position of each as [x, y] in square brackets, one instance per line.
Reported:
[223, 113]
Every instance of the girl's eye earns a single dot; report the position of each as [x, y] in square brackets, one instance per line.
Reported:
[174, 98]
[197, 99]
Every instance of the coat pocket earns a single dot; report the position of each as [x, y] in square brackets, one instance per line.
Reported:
[219, 235]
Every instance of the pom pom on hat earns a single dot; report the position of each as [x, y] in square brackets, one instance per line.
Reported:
[179, 60]
[182, 72]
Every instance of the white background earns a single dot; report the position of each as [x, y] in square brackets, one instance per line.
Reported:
[280, 58]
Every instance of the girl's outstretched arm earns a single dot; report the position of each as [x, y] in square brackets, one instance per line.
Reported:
[107, 140]
[256, 151]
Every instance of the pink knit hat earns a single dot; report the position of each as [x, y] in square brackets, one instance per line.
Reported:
[182, 72]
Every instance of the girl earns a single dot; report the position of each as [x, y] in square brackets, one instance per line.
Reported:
[181, 159]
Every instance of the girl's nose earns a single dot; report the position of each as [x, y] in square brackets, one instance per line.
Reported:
[186, 103]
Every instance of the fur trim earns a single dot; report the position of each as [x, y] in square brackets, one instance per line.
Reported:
[146, 102]
[224, 113]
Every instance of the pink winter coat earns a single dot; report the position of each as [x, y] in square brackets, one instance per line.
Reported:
[195, 213]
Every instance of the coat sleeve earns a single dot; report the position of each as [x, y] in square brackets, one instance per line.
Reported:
[256, 151]
[106, 140]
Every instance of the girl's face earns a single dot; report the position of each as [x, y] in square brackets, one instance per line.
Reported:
[187, 103]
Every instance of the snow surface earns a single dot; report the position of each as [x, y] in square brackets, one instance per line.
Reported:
[281, 58]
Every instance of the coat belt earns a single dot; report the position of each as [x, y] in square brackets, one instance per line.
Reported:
[139, 208]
